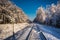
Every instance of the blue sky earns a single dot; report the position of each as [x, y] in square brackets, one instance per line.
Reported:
[30, 6]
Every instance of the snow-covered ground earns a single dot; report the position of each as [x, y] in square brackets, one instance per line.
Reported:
[6, 30]
[36, 32]
[50, 33]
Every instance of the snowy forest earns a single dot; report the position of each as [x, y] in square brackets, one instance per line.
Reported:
[49, 15]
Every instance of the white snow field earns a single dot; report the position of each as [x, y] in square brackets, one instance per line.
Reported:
[36, 32]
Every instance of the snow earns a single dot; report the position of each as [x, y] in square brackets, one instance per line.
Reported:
[49, 32]
[38, 32]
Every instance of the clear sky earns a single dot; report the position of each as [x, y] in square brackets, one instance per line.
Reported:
[30, 6]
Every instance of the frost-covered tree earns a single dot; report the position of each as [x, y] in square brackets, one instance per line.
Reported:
[40, 15]
[50, 15]
[53, 15]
